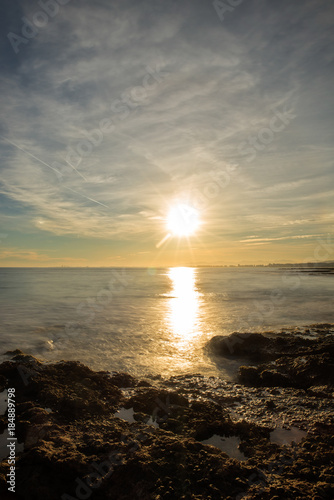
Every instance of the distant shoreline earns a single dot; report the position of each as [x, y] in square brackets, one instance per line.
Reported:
[324, 267]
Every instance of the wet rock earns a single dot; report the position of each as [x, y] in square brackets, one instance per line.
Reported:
[13, 353]
[267, 347]
[282, 360]
[322, 391]
[240, 345]
[123, 380]
[79, 449]
[156, 401]
[144, 383]
[62, 386]
[302, 372]
[261, 376]
[270, 404]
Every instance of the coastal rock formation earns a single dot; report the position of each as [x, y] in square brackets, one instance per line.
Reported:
[74, 445]
[289, 359]
[303, 372]
[100, 435]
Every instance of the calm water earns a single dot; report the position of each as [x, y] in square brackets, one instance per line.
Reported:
[152, 320]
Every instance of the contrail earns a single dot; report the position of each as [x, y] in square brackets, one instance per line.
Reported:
[80, 194]
[52, 168]
[41, 161]
[27, 153]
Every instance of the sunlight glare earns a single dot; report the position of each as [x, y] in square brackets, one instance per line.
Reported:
[183, 220]
[184, 303]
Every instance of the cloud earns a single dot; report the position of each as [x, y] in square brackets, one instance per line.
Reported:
[295, 237]
[26, 255]
[215, 85]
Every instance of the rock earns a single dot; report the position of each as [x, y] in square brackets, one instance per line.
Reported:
[322, 391]
[144, 383]
[273, 378]
[284, 360]
[302, 372]
[16, 351]
[270, 404]
[249, 375]
[156, 401]
[239, 345]
[123, 380]
[80, 449]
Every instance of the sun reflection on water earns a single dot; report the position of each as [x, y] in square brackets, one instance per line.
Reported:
[183, 305]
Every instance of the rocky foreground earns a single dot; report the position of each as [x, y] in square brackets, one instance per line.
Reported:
[109, 436]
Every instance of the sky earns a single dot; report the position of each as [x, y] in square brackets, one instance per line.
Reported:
[114, 112]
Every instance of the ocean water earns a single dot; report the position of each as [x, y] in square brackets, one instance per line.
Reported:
[152, 321]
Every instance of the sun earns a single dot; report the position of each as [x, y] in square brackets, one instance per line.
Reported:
[183, 220]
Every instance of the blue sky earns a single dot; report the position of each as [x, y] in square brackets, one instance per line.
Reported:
[113, 112]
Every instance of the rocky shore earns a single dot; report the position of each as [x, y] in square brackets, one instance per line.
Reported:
[98, 435]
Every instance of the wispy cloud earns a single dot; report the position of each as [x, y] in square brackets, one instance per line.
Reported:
[215, 85]
[296, 237]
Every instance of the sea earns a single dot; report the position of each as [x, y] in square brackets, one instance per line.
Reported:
[153, 321]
